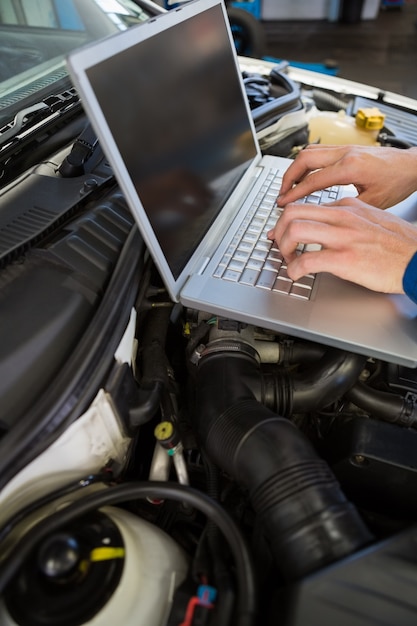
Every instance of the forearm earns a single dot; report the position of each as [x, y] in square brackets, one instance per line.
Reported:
[412, 167]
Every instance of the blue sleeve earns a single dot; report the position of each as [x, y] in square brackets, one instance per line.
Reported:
[410, 279]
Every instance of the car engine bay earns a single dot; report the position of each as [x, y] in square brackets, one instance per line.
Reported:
[160, 465]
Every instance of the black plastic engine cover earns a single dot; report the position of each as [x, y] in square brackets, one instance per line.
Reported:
[376, 464]
[375, 587]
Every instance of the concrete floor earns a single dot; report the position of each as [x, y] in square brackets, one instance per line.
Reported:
[381, 52]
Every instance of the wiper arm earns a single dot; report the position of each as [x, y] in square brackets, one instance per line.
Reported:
[21, 120]
[30, 116]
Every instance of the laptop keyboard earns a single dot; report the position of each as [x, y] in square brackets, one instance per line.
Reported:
[253, 259]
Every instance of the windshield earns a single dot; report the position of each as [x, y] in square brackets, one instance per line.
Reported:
[36, 36]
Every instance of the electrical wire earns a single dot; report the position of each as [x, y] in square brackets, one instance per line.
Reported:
[246, 603]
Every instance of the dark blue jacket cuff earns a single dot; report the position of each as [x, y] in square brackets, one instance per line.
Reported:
[410, 279]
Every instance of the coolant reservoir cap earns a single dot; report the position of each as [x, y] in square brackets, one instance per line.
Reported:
[59, 555]
[370, 118]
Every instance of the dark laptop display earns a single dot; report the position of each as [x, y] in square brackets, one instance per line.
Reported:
[180, 125]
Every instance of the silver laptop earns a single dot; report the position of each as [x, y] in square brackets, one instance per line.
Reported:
[168, 105]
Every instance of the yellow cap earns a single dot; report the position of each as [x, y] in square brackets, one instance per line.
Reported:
[163, 431]
[370, 118]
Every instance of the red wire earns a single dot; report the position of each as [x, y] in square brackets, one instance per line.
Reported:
[189, 614]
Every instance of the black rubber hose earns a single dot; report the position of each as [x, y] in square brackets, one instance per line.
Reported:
[328, 102]
[154, 367]
[313, 389]
[385, 139]
[384, 405]
[294, 352]
[245, 610]
[307, 519]
[154, 362]
[334, 374]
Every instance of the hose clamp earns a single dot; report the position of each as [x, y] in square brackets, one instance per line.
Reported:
[218, 346]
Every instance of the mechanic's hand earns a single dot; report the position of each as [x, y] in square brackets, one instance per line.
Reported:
[382, 176]
[359, 243]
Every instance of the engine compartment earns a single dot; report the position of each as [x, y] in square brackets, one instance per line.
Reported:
[165, 466]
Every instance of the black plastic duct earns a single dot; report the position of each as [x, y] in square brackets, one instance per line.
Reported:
[307, 519]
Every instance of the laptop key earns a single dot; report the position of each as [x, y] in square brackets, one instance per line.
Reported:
[249, 237]
[275, 255]
[272, 264]
[282, 285]
[263, 246]
[236, 264]
[283, 272]
[266, 279]
[249, 277]
[255, 264]
[259, 254]
[241, 255]
[245, 245]
[300, 291]
[313, 199]
[305, 281]
[231, 275]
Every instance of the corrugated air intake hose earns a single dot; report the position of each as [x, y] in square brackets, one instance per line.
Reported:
[307, 519]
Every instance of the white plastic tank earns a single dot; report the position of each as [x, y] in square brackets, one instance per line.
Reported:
[154, 567]
[338, 128]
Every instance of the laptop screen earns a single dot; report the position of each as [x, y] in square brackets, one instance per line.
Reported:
[174, 105]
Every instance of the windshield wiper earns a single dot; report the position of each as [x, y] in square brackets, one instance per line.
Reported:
[24, 117]
[29, 117]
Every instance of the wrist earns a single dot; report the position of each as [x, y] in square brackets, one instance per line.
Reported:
[410, 279]
[412, 152]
